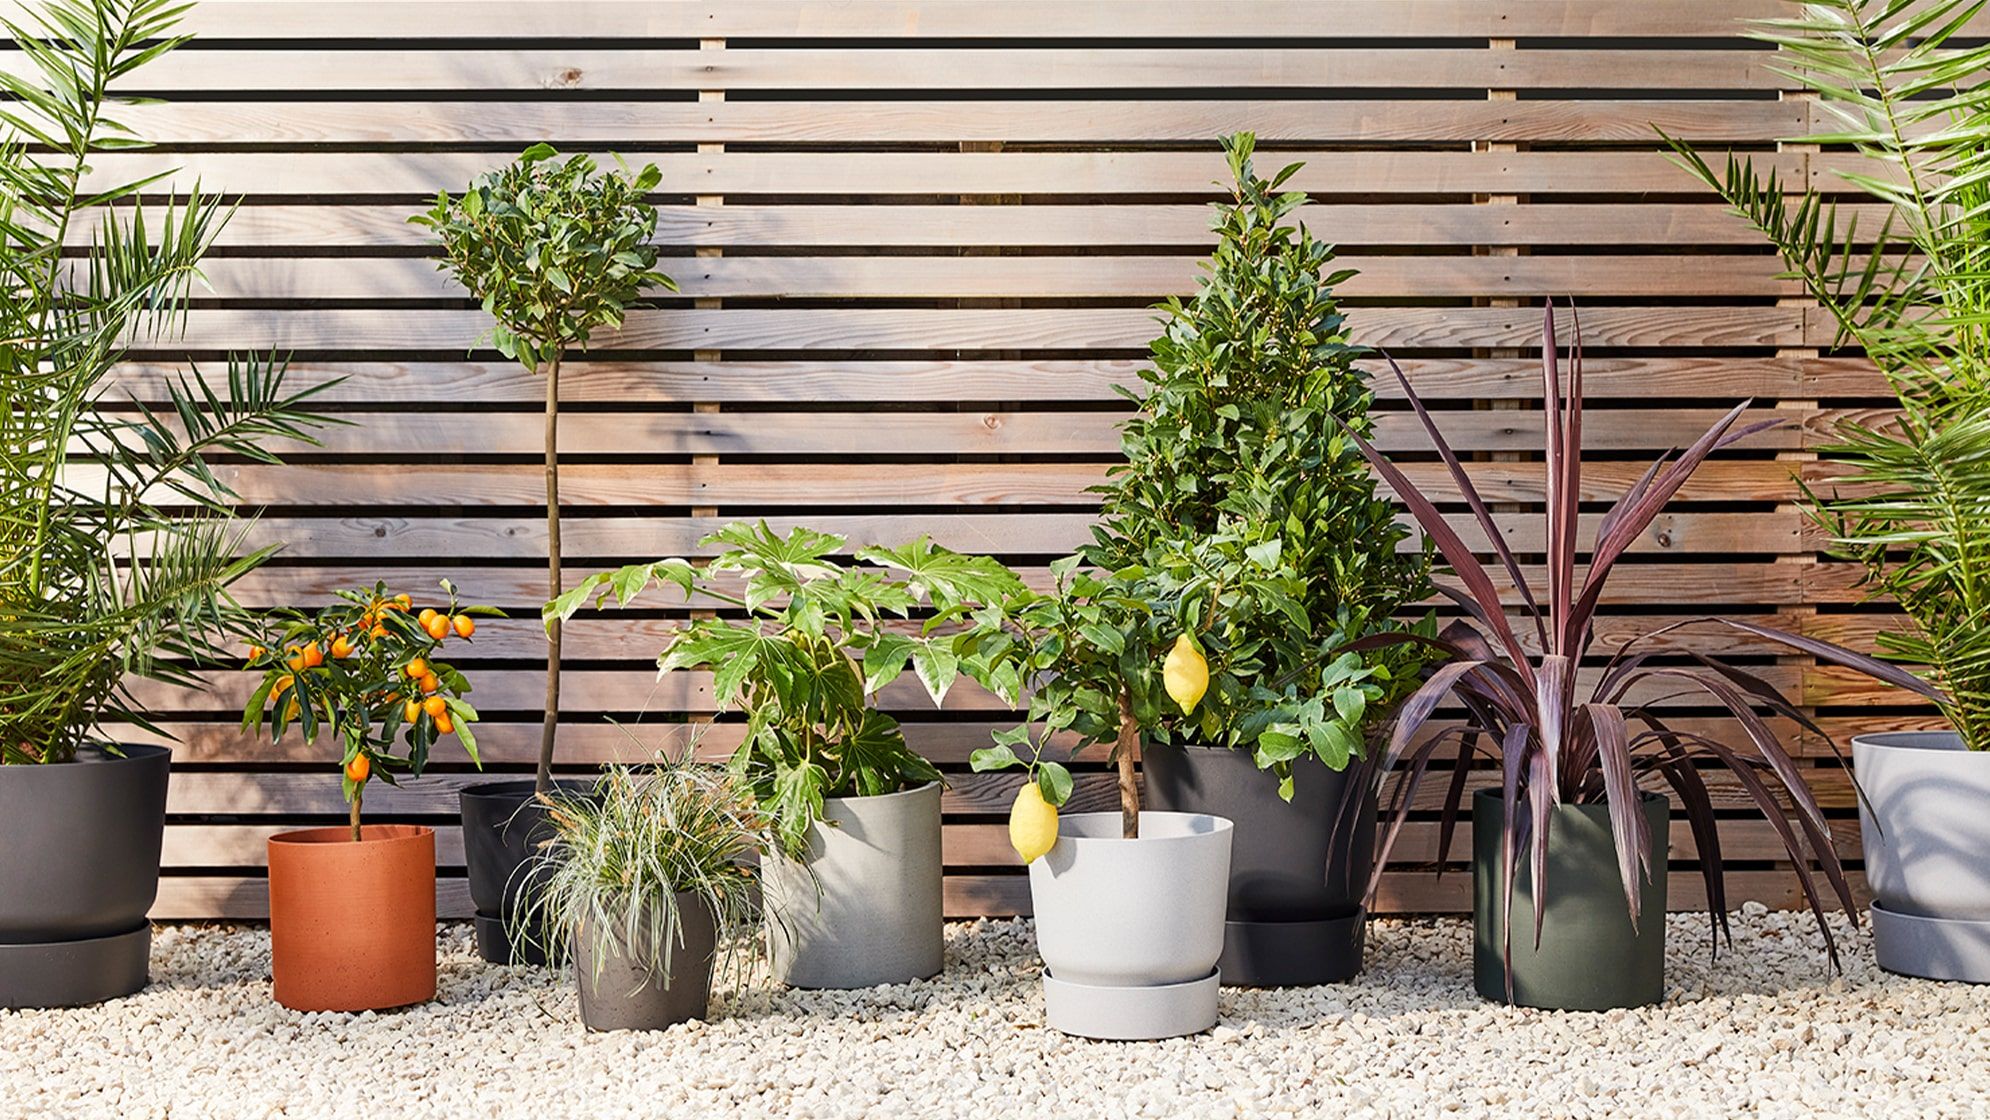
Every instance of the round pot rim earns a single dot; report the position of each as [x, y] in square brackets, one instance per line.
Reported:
[1223, 825]
[92, 755]
[507, 789]
[1949, 740]
[337, 835]
[1645, 796]
[872, 798]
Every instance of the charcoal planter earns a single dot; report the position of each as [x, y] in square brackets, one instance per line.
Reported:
[503, 826]
[866, 908]
[1926, 835]
[1130, 930]
[78, 873]
[1298, 869]
[631, 994]
[1590, 958]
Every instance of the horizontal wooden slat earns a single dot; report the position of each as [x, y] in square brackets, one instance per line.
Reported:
[1327, 173]
[1143, 277]
[1174, 121]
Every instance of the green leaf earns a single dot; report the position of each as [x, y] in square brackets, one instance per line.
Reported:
[1054, 782]
[993, 758]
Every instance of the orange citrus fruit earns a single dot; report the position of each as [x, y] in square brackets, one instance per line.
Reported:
[341, 646]
[404, 602]
[464, 625]
[443, 724]
[435, 706]
[411, 710]
[416, 669]
[430, 683]
[359, 768]
[437, 626]
[313, 657]
[282, 684]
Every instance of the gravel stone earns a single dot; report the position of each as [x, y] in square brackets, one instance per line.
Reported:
[1765, 1030]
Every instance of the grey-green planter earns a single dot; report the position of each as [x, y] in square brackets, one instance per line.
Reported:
[1590, 958]
[1924, 824]
[867, 908]
[1130, 930]
[632, 994]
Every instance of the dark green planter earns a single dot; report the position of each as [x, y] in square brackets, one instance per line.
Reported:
[1589, 959]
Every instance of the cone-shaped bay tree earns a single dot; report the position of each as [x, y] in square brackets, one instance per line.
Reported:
[1244, 503]
[555, 250]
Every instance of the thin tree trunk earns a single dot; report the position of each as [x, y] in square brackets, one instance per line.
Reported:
[549, 730]
[352, 810]
[1123, 752]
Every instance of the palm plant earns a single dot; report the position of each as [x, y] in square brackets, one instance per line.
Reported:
[1908, 497]
[1559, 741]
[104, 574]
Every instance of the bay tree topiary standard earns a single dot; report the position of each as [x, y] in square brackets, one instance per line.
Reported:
[1904, 493]
[1243, 491]
[117, 544]
[555, 250]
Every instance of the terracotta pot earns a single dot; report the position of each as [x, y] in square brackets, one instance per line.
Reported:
[352, 925]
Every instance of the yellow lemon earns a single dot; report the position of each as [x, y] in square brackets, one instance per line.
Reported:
[1185, 674]
[1032, 823]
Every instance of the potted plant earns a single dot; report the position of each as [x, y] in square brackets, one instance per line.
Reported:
[1238, 441]
[1904, 493]
[1573, 832]
[352, 908]
[856, 871]
[647, 877]
[555, 251]
[1128, 905]
[115, 565]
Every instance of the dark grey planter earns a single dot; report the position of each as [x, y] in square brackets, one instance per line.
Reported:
[868, 907]
[503, 826]
[1298, 869]
[632, 995]
[1926, 840]
[1590, 958]
[78, 874]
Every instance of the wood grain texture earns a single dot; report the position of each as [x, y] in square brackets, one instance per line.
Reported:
[856, 349]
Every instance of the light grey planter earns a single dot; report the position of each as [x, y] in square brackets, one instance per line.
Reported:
[633, 994]
[872, 912]
[1130, 930]
[1924, 823]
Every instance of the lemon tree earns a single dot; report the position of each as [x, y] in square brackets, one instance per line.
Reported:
[1249, 506]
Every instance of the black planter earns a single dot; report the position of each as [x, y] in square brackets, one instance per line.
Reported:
[627, 994]
[1590, 958]
[1298, 869]
[503, 826]
[78, 873]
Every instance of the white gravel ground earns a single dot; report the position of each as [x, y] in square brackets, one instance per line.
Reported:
[1765, 1031]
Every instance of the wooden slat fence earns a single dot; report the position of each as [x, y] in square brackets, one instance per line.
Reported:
[917, 241]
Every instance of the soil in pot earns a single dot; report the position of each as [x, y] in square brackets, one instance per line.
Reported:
[352, 925]
[503, 826]
[1926, 841]
[630, 993]
[1297, 869]
[83, 871]
[1130, 930]
[867, 908]
[1590, 957]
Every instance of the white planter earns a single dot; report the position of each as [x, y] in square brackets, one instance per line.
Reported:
[872, 912]
[1130, 930]
[1925, 827]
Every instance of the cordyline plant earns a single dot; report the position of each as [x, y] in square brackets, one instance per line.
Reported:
[1557, 742]
[1914, 508]
[117, 540]
[812, 644]
[365, 669]
[555, 251]
[1243, 492]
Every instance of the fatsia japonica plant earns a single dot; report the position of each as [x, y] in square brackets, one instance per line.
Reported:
[1906, 494]
[802, 647]
[1561, 740]
[1245, 497]
[555, 250]
[117, 541]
